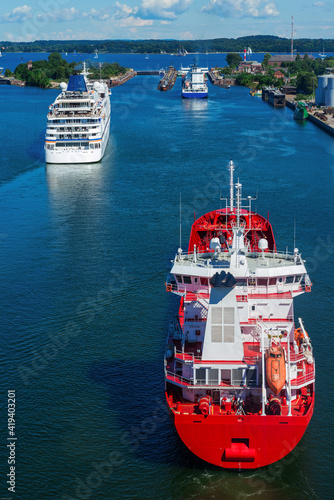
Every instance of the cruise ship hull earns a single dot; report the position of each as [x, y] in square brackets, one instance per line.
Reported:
[240, 441]
[77, 155]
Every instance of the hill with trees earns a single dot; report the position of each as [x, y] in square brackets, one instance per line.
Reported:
[258, 43]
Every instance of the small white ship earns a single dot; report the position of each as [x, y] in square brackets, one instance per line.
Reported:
[195, 87]
[78, 122]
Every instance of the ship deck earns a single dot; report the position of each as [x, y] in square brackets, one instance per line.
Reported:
[254, 260]
[178, 404]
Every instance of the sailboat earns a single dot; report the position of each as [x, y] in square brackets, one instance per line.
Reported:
[96, 56]
[0, 54]
[323, 55]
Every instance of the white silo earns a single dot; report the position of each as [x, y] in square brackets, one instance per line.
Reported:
[329, 95]
[321, 90]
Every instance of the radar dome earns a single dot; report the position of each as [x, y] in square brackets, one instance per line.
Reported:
[63, 86]
[97, 86]
[263, 244]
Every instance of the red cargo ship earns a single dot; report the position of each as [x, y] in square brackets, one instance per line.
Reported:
[239, 375]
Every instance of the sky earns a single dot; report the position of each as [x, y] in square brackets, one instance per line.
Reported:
[163, 19]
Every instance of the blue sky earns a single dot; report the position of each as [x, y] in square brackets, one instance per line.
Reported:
[177, 19]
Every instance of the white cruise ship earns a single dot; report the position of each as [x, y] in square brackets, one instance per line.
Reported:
[78, 122]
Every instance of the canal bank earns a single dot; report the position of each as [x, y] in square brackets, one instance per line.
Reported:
[318, 116]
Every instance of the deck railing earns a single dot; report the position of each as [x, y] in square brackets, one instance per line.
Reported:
[173, 377]
[303, 380]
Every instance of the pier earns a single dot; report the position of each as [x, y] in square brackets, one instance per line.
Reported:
[115, 82]
[276, 98]
[168, 80]
[149, 72]
[265, 93]
[219, 81]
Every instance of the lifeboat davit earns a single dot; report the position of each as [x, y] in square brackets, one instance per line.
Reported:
[275, 368]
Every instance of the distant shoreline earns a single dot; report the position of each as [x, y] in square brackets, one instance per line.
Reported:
[258, 43]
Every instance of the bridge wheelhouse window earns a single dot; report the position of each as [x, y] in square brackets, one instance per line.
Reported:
[201, 376]
[204, 281]
[237, 376]
[178, 278]
[251, 377]
[289, 280]
[187, 280]
[225, 376]
[213, 376]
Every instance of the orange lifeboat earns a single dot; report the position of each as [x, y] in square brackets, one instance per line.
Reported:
[275, 368]
[300, 338]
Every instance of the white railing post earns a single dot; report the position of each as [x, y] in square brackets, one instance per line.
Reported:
[289, 377]
[263, 414]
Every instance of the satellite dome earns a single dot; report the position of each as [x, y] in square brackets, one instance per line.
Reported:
[263, 244]
[63, 86]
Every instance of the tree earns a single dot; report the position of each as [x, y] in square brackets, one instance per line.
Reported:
[306, 82]
[8, 73]
[226, 71]
[233, 59]
[266, 58]
[245, 79]
[55, 58]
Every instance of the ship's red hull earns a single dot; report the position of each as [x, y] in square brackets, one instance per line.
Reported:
[241, 441]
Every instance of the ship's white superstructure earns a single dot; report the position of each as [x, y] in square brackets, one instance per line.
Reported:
[236, 365]
[195, 87]
[78, 122]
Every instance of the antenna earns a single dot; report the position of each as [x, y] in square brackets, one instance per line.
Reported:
[180, 221]
[238, 188]
[292, 32]
[231, 168]
[294, 233]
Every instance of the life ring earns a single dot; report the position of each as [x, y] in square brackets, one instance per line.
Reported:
[307, 288]
[169, 288]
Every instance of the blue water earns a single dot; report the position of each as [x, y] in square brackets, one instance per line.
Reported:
[85, 250]
[135, 61]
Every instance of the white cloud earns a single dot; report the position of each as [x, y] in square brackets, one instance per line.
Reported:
[18, 15]
[163, 9]
[135, 21]
[165, 22]
[241, 8]
[98, 15]
[186, 35]
[154, 9]
[124, 10]
[59, 16]
[319, 4]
